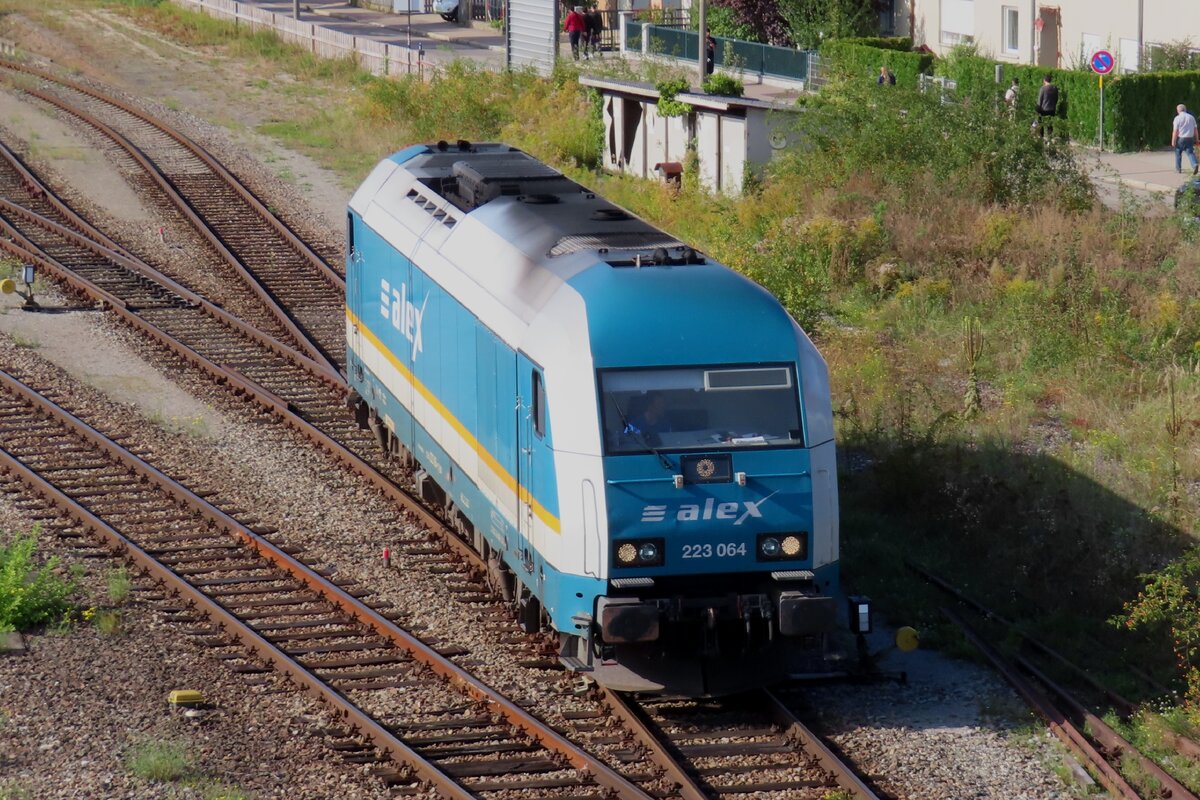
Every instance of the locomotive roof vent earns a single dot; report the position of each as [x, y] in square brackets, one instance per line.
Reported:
[610, 215]
[674, 256]
[482, 180]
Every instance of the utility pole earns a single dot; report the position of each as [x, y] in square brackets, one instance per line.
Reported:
[296, 10]
[703, 40]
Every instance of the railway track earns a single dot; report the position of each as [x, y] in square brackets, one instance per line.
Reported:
[308, 396]
[289, 278]
[748, 744]
[789, 745]
[449, 731]
[1085, 733]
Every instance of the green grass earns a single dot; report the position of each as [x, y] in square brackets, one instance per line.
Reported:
[118, 584]
[159, 760]
[108, 621]
[11, 790]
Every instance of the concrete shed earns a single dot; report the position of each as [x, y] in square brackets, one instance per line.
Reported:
[733, 136]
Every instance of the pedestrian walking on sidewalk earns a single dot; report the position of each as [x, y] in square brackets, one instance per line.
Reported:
[593, 22]
[1183, 138]
[575, 26]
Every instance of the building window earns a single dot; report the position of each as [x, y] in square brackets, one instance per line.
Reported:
[1010, 21]
[1129, 57]
[887, 17]
[1089, 44]
[958, 21]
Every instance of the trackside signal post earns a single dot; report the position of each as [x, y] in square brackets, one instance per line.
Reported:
[1102, 63]
[9, 286]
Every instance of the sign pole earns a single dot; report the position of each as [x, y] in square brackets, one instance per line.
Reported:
[1102, 63]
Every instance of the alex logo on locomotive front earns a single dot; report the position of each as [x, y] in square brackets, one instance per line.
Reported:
[405, 317]
[693, 512]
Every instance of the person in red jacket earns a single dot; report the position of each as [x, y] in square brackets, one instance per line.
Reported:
[575, 26]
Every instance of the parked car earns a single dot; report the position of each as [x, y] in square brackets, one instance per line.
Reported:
[447, 8]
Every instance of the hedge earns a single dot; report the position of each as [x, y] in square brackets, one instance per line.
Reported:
[1138, 107]
[1078, 92]
[850, 57]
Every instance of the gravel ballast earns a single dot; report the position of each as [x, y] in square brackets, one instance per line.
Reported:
[78, 704]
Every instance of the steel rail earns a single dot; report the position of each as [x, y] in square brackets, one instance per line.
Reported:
[311, 348]
[106, 247]
[1059, 724]
[298, 244]
[845, 777]
[334, 594]
[636, 723]
[1127, 707]
[247, 388]
[1112, 741]
[317, 370]
[364, 725]
[36, 186]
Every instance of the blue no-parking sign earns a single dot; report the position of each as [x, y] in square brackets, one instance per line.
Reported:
[1102, 62]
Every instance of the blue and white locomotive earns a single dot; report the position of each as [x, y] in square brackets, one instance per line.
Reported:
[639, 440]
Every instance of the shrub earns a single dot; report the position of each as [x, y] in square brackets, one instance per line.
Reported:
[29, 595]
[723, 21]
[966, 149]
[668, 106]
[722, 84]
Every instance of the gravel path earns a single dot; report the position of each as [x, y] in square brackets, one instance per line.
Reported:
[953, 731]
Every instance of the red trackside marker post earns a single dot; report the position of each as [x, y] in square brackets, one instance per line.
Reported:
[387, 557]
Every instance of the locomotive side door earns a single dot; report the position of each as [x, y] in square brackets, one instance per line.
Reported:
[354, 268]
[531, 434]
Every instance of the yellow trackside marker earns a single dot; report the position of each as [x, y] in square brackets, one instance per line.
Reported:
[907, 639]
[8, 286]
[185, 697]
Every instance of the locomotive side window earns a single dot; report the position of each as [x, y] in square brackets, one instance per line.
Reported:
[700, 408]
[539, 405]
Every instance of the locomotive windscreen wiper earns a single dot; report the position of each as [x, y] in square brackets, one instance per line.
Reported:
[628, 427]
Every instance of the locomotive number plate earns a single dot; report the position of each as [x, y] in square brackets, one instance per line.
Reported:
[720, 550]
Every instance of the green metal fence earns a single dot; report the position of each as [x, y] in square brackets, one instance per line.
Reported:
[749, 57]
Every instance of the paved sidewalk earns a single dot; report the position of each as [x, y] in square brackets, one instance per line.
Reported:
[440, 40]
[1147, 176]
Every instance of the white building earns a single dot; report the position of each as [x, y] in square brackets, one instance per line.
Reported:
[1065, 34]
[733, 136]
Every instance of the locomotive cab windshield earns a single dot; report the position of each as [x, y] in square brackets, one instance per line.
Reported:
[699, 408]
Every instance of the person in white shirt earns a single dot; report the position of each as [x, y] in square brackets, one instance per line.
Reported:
[1183, 138]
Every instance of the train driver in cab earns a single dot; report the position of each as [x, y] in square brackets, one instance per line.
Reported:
[651, 419]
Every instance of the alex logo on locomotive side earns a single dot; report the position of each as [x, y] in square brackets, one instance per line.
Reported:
[693, 512]
[405, 317]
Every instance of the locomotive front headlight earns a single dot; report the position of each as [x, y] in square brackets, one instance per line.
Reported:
[792, 546]
[769, 547]
[638, 553]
